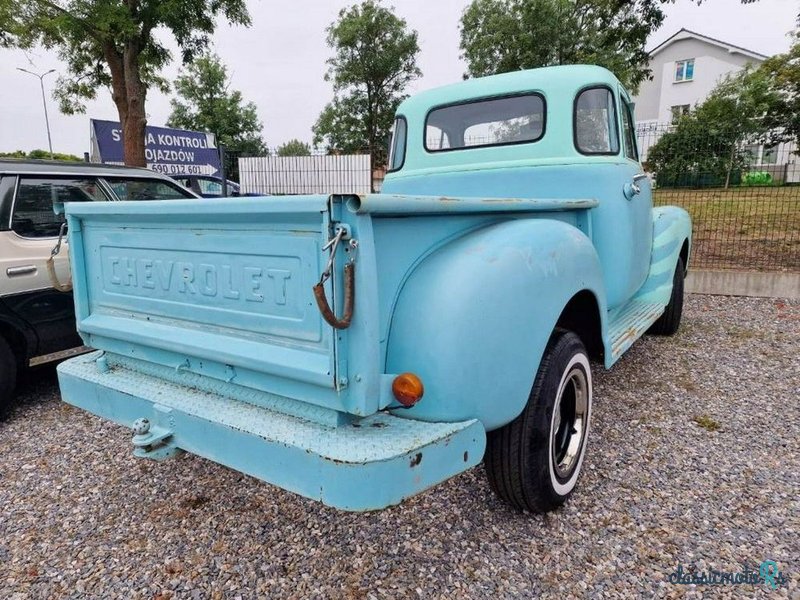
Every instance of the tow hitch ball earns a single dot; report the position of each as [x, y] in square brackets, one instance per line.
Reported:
[152, 441]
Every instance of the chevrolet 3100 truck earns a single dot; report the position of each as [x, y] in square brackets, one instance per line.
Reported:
[360, 349]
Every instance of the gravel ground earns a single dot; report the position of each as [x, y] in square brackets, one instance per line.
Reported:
[694, 460]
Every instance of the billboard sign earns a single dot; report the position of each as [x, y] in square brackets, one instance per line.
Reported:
[168, 151]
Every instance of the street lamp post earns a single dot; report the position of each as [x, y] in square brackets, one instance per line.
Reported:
[44, 102]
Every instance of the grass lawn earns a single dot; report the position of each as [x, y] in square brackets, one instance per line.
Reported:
[748, 228]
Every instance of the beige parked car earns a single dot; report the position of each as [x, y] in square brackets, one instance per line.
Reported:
[37, 320]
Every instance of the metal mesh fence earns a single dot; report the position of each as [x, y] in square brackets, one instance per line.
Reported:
[316, 173]
[744, 198]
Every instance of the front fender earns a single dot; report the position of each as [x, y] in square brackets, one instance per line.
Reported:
[672, 226]
[473, 318]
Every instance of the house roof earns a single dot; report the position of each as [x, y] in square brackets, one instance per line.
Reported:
[683, 34]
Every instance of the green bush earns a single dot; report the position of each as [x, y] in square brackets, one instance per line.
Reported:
[757, 178]
[695, 156]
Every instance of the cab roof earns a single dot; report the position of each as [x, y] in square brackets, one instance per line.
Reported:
[559, 87]
[548, 80]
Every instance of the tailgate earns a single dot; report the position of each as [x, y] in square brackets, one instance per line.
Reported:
[221, 288]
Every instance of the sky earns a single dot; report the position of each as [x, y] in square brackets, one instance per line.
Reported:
[279, 63]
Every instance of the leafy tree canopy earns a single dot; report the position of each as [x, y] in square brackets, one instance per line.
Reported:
[498, 36]
[294, 148]
[205, 102]
[113, 44]
[374, 59]
[783, 73]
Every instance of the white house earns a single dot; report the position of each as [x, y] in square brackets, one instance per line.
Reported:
[685, 68]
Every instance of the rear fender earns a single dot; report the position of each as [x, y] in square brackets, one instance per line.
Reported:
[473, 319]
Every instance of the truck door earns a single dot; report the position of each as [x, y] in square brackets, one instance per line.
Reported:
[637, 191]
[622, 230]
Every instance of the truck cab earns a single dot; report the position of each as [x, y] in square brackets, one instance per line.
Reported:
[556, 132]
[358, 349]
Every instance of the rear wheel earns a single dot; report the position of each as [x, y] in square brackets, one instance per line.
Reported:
[669, 322]
[533, 463]
[8, 377]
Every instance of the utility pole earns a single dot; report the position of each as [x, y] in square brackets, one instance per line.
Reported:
[44, 103]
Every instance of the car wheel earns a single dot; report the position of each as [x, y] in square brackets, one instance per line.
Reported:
[669, 322]
[533, 463]
[8, 377]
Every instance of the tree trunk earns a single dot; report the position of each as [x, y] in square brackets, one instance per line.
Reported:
[133, 128]
[128, 93]
[730, 166]
[136, 120]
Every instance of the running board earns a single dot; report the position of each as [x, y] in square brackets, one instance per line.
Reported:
[54, 356]
[628, 325]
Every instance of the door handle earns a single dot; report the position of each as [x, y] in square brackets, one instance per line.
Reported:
[632, 189]
[24, 270]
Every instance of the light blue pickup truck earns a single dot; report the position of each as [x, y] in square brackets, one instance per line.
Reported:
[360, 349]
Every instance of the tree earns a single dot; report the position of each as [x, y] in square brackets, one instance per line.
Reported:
[375, 58]
[783, 73]
[294, 148]
[112, 44]
[498, 36]
[206, 103]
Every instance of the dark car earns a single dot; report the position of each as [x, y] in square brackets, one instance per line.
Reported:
[37, 322]
[207, 186]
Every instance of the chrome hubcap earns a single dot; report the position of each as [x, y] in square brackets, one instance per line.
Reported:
[569, 422]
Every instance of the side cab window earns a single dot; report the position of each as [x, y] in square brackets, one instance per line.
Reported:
[397, 147]
[33, 215]
[595, 121]
[628, 130]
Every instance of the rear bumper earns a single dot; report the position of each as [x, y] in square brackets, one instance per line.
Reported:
[368, 464]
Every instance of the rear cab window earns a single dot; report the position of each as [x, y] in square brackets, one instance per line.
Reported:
[137, 188]
[517, 119]
[33, 216]
[595, 121]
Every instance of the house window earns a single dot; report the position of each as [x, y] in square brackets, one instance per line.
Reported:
[684, 70]
[770, 155]
[681, 110]
[761, 155]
